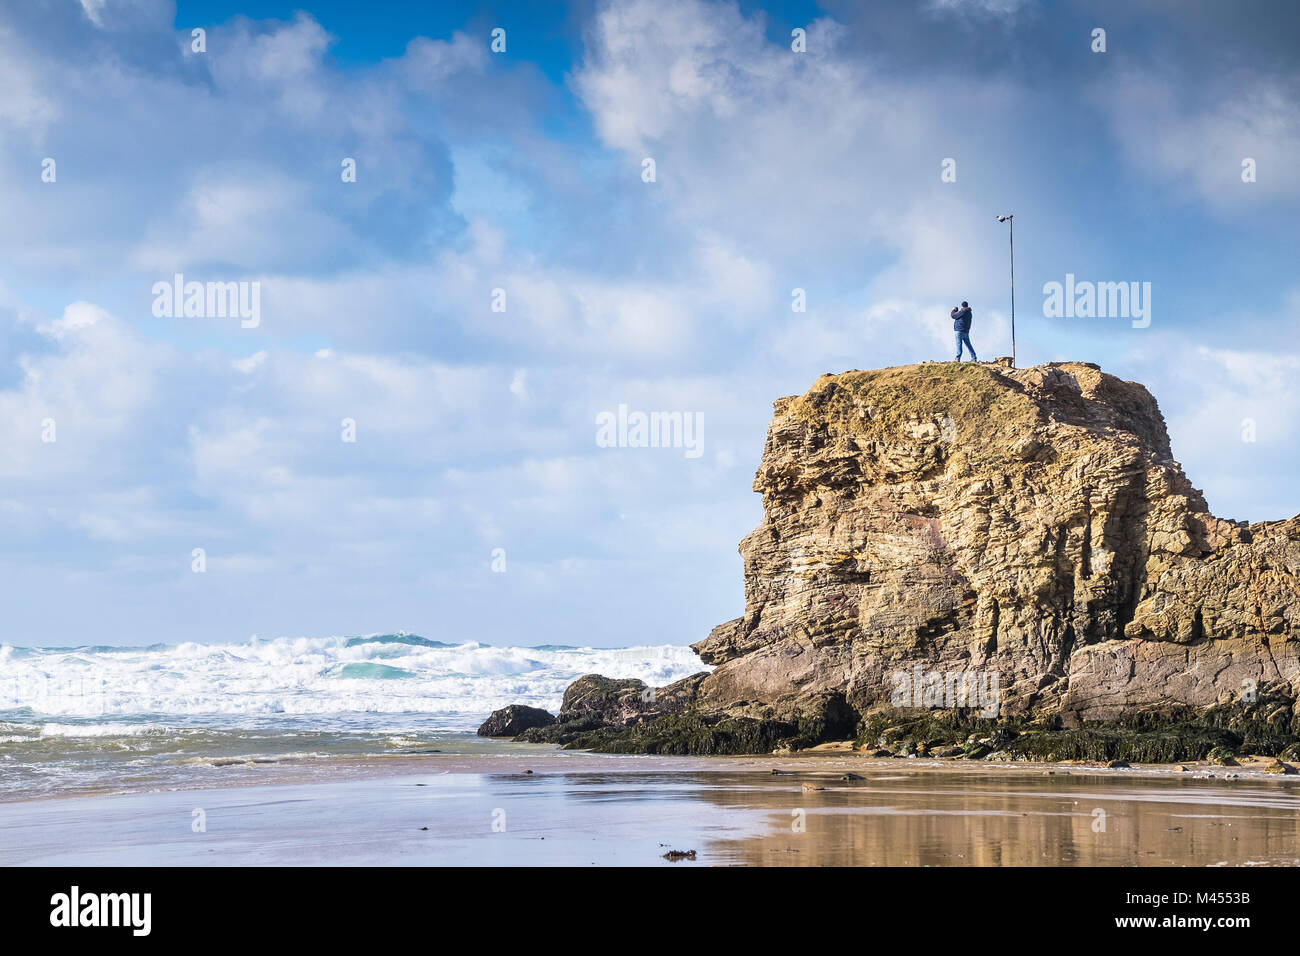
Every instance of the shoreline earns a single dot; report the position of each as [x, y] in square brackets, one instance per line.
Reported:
[826, 760]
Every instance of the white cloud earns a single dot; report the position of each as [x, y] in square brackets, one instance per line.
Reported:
[249, 365]
[1234, 422]
[428, 63]
[815, 161]
[1198, 148]
[24, 105]
[78, 315]
[986, 7]
[94, 10]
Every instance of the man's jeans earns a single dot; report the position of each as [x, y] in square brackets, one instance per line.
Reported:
[964, 337]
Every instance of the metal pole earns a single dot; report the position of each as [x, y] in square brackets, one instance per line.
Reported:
[1012, 221]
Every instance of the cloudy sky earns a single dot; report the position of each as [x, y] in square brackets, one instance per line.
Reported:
[522, 170]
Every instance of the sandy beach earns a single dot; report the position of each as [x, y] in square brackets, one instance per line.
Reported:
[585, 809]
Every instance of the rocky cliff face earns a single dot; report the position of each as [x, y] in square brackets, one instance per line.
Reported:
[979, 521]
[1017, 545]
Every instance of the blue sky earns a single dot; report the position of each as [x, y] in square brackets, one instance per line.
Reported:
[522, 171]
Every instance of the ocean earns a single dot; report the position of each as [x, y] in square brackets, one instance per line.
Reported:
[99, 718]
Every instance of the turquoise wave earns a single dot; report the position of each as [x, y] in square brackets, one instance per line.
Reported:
[410, 639]
[371, 671]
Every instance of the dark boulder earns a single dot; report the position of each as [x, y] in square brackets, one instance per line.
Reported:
[514, 720]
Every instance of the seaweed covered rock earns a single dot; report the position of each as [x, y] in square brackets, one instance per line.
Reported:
[692, 732]
[564, 731]
[627, 701]
[593, 702]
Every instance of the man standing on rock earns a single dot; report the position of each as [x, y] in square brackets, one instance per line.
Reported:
[961, 325]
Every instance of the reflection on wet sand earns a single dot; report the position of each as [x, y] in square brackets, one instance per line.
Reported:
[937, 819]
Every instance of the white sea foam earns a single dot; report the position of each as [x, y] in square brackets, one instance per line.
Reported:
[111, 729]
[306, 677]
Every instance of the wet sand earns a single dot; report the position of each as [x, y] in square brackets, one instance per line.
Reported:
[585, 809]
